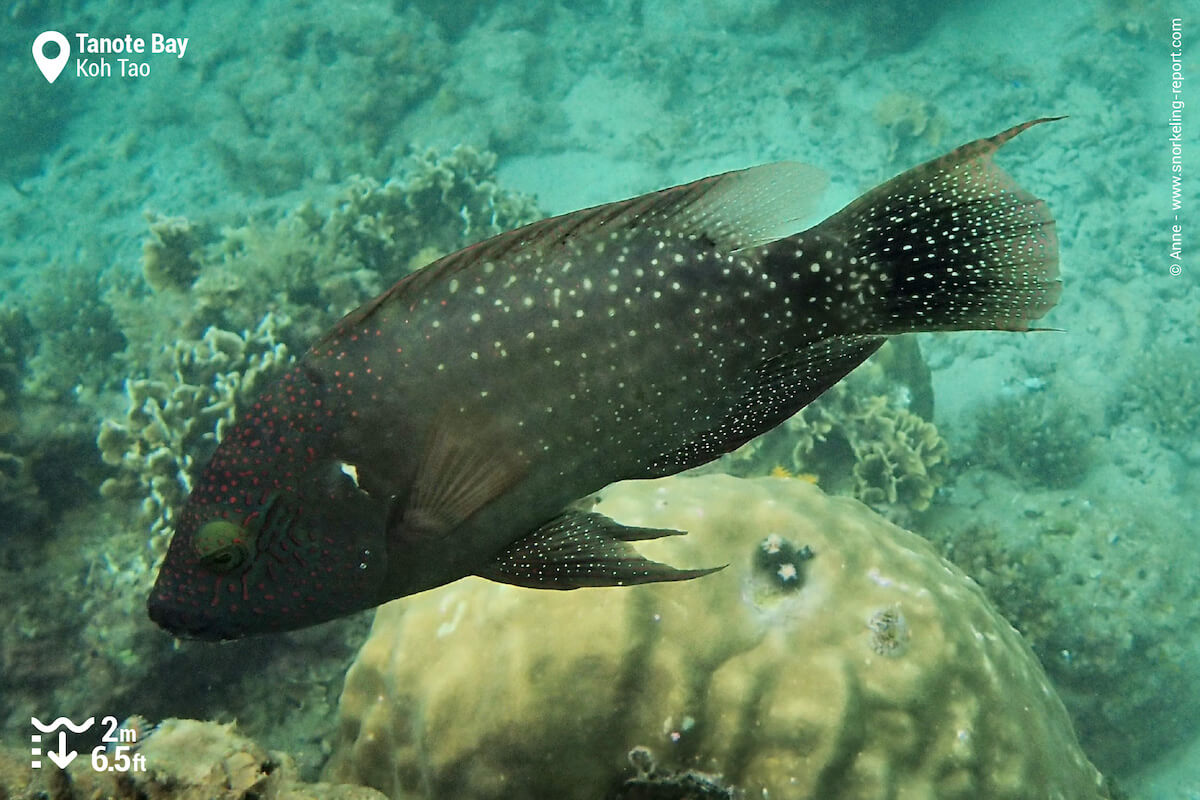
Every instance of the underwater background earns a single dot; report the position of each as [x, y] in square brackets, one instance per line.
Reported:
[168, 240]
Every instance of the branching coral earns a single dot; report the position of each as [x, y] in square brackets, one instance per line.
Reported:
[169, 255]
[862, 439]
[170, 421]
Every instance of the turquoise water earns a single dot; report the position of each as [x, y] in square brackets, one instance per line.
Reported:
[298, 158]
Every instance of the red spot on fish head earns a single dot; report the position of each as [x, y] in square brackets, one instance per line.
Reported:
[275, 535]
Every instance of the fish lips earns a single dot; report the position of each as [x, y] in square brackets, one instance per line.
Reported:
[183, 624]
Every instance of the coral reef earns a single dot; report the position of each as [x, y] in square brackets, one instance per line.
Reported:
[72, 355]
[306, 98]
[1164, 392]
[864, 437]
[1037, 437]
[1095, 586]
[312, 265]
[168, 423]
[487, 691]
[20, 502]
[911, 125]
[652, 783]
[184, 760]
[169, 255]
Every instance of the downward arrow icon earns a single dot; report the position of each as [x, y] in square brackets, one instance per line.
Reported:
[62, 758]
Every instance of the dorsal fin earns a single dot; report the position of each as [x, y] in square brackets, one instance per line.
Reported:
[754, 206]
[733, 210]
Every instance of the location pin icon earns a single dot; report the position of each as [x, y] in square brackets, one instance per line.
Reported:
[51, 67]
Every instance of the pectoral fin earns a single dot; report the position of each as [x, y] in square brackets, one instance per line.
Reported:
[465, 466]
[581, 549]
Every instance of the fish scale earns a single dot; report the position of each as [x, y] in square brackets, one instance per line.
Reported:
[449, 426]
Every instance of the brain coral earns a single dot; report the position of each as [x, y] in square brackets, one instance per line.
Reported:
[836, 657]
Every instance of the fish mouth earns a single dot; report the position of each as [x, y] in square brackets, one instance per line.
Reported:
[182, 624]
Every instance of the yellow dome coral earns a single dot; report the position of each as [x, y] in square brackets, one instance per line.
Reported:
[837, 657]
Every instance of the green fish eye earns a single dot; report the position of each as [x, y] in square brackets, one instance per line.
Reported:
[223, 546]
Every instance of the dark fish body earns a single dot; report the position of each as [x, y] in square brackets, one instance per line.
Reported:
[445, 428]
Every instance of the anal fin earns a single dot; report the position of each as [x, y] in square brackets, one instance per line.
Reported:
[581, 549]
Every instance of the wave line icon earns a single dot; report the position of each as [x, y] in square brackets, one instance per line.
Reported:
[62, 722]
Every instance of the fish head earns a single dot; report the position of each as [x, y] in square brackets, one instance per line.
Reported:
[272, 538]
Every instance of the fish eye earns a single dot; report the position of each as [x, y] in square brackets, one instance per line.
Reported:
[222, 545]
[226, 559]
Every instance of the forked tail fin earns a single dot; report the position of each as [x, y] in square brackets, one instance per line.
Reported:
[953, 244]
